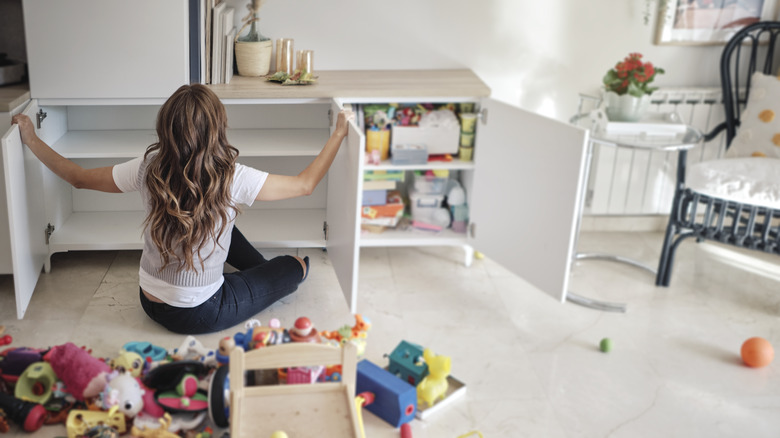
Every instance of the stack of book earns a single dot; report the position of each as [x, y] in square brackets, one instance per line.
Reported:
[382, 204]
[212, 32]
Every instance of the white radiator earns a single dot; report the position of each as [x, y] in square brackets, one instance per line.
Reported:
[633, 182]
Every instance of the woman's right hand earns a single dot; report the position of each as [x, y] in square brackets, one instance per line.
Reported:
[26, 128]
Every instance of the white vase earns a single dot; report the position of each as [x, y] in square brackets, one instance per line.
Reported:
[625, 107]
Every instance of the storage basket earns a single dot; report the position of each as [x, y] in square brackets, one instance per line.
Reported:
[253, 58]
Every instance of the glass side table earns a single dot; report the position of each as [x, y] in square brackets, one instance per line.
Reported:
[673, 136]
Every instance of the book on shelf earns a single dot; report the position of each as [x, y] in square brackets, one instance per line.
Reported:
[379, 185]
[207, 24]
[227, 26]
[229, 53]
[197, 40]
[394, 175]
[217, 34]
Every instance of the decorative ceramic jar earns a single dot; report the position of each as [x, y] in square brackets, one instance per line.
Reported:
[625, 107]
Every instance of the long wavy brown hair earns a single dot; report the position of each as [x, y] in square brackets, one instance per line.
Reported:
[189, 175]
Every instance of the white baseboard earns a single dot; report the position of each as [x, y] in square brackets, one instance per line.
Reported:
[623, 223]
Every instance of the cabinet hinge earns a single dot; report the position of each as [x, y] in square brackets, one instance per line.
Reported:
[473, 229]
[330, 117]
[325, 230]
[483, 113]
[588, 198]
[49, 230]
[40, 116]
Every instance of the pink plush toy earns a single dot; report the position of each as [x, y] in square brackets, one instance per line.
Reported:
[83, 375]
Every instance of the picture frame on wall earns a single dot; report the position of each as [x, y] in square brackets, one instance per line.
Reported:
[708, 22]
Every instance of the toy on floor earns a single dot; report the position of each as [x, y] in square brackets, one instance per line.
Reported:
[406, 362]
[434, 386]
[128, 361]
[394, 400]
[101, 431]
[177, 386]
[36, 383]
[193, 349]
[84, 376]
[355, 334]
[5, 340]
[181, 422]
[150, 352]
[303, 331]
[16, 360]
[219, 395]
[226, 345]
[362, 400]
[757, 352]
[258, 336]
[26, 414]
[125, 392]
[160, 432]
[79, 421]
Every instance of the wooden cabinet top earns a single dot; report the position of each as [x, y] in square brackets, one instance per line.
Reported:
[12, 96]
[361, 84]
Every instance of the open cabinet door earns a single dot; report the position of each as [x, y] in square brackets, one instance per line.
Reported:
[26, 214]
[345, 180]
[527, 194]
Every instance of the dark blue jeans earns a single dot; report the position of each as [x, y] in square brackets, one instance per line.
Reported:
[257, 284]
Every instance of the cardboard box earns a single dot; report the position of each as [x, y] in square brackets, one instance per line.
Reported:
[374, 197]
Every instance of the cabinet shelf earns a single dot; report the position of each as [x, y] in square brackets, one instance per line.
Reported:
[392, 237]
[280, 228]
[250, 142]
[455, 164]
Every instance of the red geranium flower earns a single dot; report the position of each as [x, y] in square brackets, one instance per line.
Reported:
[632, 76]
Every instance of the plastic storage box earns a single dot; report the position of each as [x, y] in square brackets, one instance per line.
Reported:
[427, 184]
[427, 208]
[438, 140]
[409, 154]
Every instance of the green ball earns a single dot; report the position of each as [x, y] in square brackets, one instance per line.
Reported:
[606, 345]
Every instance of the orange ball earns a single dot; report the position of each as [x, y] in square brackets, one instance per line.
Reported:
[757, 352]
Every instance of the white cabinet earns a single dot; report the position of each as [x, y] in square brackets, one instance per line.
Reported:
[279, 138]
[106, 48]
[524, 186]
[524, 191]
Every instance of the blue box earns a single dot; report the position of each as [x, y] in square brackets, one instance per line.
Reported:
[395, 401]
[374, 197]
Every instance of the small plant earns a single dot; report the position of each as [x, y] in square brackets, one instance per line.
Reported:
[252, 17]
[632, 76]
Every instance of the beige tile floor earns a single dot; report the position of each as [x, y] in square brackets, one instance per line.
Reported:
[531, 364]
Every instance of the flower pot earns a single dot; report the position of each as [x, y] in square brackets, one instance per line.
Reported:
[625, 107]
[253, 58]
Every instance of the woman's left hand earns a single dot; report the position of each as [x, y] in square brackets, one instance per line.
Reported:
[342, 124]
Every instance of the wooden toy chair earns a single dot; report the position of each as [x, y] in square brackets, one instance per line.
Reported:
[317, 409]
[735, 200]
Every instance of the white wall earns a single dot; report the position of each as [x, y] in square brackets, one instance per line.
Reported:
[535, 54]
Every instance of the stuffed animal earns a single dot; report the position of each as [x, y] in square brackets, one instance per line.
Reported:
[84, 376]
[160, 432]
[128, 361]
[124, 391]
[434, 386]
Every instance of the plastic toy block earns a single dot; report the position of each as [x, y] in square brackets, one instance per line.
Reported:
[395, 401]
[406, 362]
